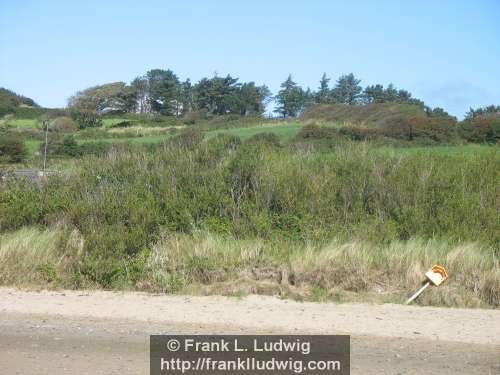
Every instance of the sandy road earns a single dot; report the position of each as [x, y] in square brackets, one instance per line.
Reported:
[107, 333]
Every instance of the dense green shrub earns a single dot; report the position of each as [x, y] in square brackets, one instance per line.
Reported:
[67, 145]
[435, 129]
[193, 117]
[440, 130]
[123, 124]
[54, 145]
[5, 109]
[267, 137]
[313, 136]
[403, 122]
[215, 148]
[63, 124]
[12, 148]
[482, 129]
[86, 119]
[121, 202]
[234, 121]
[360, 134]
[313, 131]
[97, 148]
[188, 138]
[19, 204]
[70, 146]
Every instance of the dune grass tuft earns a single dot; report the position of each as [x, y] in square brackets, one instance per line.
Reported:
[207, 263]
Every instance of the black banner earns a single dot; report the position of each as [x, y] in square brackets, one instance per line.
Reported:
[262, 354]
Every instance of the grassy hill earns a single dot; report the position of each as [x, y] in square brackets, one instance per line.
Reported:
[396, 121]
[375, 114]
[10, 101]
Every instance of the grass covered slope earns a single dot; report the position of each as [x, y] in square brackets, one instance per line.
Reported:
[404, 124]
[374, 114]
[219, 215]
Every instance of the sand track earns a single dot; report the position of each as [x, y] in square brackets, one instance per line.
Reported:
[105, 332]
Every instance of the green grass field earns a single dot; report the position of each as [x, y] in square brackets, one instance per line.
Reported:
[32, 147]
[285, 131]
[23, 123]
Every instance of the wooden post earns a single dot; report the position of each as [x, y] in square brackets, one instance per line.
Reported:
[46, 123]
[418, 292]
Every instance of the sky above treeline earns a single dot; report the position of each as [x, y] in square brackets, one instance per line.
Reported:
[446, 53]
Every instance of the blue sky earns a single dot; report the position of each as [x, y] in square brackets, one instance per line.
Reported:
[445, 52]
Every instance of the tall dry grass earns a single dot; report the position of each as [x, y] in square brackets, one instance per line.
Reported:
[24, 252]
[206, 263]
[356, 270]
[391, 271]
[31, 256]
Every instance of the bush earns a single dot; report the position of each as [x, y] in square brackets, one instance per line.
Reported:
[481, 129]
[223, 142]
[6, 109]
[315, 132]
[12, 148]
[439, 130]
[69, 146]
[268, 138]
[315, 137]
[123, 124]
[188, 138]
[192, 118]
[63, 125]
[404, 122]
[435, 129]
[122, 202]
[86, 119]
[94, 148]
[54, 145]
[360, 134]
[213, 150]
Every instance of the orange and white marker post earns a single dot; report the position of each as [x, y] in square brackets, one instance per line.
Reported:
[436, 275]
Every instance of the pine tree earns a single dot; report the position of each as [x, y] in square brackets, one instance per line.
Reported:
[290, 99]
[347, 89]
[323, 95]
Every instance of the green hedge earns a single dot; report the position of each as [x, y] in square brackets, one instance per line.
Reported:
[122, 202]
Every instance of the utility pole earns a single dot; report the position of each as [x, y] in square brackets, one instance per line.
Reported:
[46, 123]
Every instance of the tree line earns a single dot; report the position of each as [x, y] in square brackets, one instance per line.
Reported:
[162, 92]
[291, 100]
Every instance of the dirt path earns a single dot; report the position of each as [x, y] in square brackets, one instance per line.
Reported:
[105, 333]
